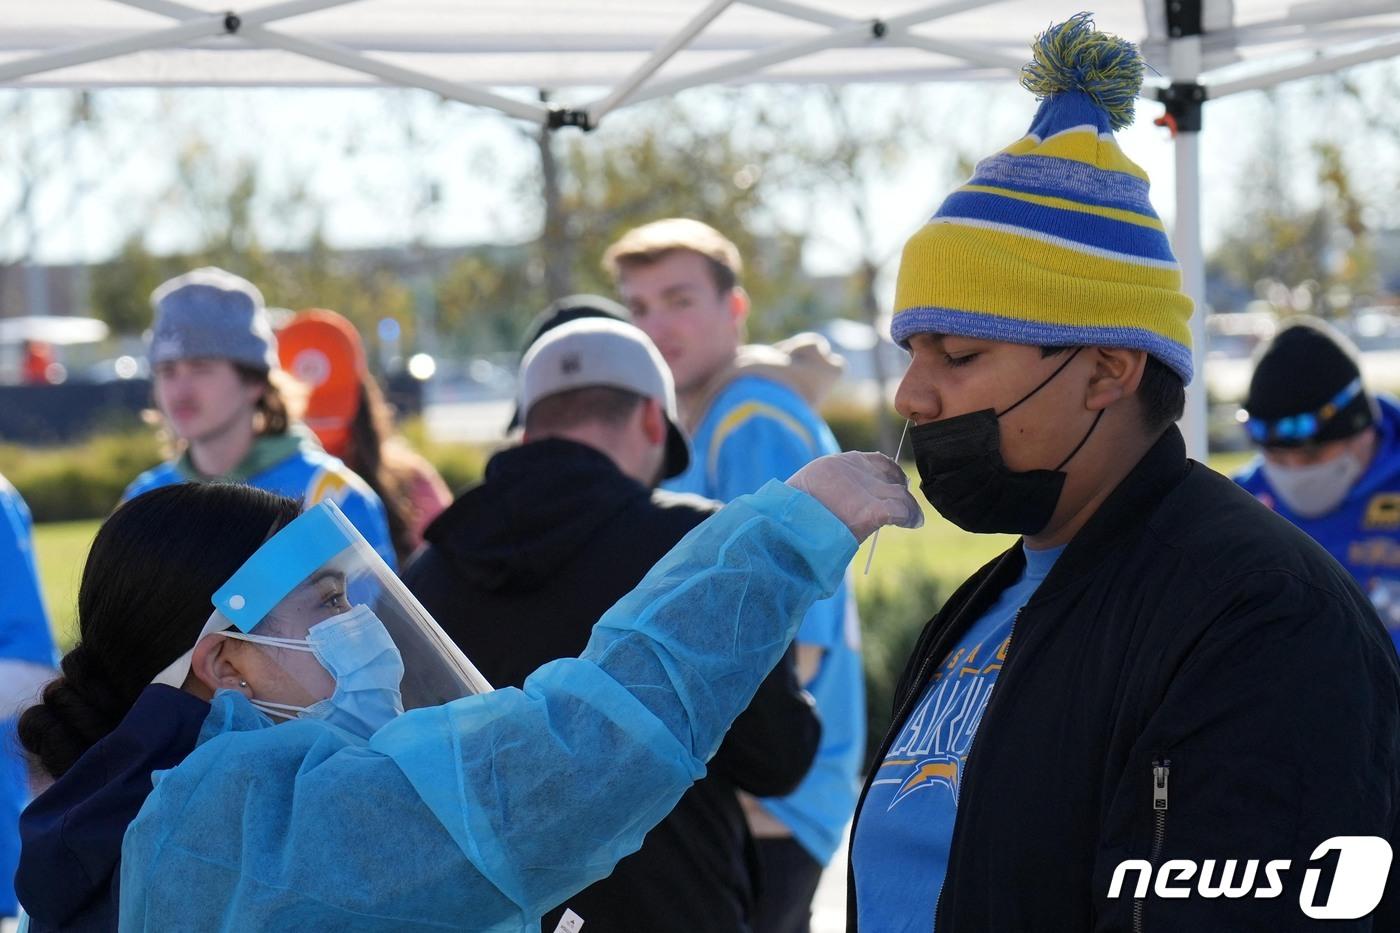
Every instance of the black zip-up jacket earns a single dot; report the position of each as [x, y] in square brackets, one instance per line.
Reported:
[517, 570]
[1195, 679]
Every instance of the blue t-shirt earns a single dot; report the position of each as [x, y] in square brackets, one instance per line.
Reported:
[308, 475]
[900, 850]
[1363, 531]
[758, 429]
[25, 639]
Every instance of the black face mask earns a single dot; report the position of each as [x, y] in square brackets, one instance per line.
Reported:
[965, 478]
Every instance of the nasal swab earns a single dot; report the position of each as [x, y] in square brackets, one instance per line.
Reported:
[875, 539]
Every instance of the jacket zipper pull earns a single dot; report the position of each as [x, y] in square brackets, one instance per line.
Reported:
[1160, 772]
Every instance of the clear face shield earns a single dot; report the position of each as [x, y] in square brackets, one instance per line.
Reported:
[338, 637]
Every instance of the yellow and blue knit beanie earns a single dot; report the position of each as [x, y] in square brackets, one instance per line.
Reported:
[1053, 241]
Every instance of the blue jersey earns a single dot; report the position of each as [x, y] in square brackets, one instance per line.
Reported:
[1363, 533]
[26, 659]
[900, 850]
[755, 430]
[308, 475]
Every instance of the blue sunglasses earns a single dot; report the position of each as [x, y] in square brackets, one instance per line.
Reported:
[1298, 428]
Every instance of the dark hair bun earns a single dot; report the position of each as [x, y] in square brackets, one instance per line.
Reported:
[77, 709]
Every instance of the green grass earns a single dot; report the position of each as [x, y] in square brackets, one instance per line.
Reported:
[60, 549]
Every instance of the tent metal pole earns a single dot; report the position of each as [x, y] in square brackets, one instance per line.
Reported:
[1185, 59]
[257, 16]
[858, 34]
[801, 12]
[345, 58]
[601, 108]
[958, 50]
[935, 11]
[202, 28]
[1323, 65]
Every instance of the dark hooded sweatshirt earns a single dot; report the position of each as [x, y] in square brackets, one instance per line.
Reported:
[517, 570]
[71, 835]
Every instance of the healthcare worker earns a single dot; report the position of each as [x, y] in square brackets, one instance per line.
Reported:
[292, 791]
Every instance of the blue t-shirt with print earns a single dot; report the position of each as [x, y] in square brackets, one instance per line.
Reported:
[900, 849]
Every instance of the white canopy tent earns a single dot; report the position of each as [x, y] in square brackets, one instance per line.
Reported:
[501, 53]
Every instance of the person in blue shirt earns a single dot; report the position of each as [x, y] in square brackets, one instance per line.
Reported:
[311, 766]
[750, 413]
[26, 662]
[217, 383]
[1329, 455]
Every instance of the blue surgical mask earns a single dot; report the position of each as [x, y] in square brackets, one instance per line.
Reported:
[358, 651]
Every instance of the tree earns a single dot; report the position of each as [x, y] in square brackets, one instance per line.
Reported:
[668, 160]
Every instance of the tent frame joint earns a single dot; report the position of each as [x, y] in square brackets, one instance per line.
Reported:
[1184, 18]
[560, 117]
[1185, 102]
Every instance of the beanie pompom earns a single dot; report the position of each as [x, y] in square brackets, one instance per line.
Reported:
[1074, 56]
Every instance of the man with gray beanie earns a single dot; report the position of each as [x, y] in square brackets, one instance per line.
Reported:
[216, 381]
[518, 569]
[1329, 455]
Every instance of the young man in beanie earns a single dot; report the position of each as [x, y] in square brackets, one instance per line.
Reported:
[750, 412]
[1161, 675]
[519, 569]
[214, 366]
[1329, 455]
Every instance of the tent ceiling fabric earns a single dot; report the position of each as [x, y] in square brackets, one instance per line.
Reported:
[575, 47]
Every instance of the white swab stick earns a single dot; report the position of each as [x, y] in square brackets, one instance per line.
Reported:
[875, 539]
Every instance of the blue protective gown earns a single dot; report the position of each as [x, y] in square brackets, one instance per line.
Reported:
[755, 430]
[485, 812]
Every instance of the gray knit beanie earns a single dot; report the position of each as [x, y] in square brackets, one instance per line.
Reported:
[212, 313]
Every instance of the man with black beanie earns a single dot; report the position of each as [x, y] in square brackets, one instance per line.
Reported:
[1329, 455]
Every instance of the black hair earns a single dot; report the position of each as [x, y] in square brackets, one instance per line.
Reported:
[373, 456]
[145, 594]
[1161, 393]
[273, 409]
[606, 405]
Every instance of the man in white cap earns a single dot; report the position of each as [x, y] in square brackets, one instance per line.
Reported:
[518, 569]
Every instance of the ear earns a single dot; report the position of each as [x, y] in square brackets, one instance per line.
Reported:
[215, 664]
[738, 305]
[653, 422]
[1117, 373]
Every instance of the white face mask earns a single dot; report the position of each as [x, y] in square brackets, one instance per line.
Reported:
[1313, 491]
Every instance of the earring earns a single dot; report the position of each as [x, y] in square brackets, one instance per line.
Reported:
[243, 684]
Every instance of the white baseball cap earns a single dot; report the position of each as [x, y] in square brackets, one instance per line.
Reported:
[602, 352]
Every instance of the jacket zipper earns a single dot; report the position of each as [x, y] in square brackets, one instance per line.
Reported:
[1161, 772]
[963, 783]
